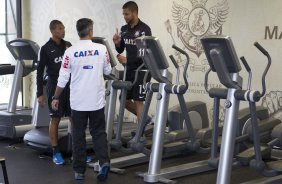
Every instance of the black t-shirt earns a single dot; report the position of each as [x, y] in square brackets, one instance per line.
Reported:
[128, 35]
[50, 56]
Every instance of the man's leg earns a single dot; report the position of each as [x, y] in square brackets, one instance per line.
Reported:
[99, 137]
[79, 124]
[130, 106]
[139, 96]
[53, 133]
[54, 123]
[139, 109]
[69, 146]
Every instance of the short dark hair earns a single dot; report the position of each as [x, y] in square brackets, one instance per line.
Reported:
[131, 5]
[54, 23]
[84, 26]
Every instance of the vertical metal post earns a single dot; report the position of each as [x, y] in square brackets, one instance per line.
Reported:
[214, 146]
[19, 18]
[255, 130]
[121, 114]
[110, 111]
[185, 114]
[158, 135]
[228, 138]
[16, 86]
[19, 33]
[6, 21]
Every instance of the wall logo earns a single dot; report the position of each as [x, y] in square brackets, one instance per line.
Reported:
[273, 102]
[221, 115]
[4, 81]
[198, 22]
[201, 66]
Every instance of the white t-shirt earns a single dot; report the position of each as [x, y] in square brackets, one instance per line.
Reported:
[86, 62]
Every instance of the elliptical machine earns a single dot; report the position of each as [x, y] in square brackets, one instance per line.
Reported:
[155, 60]
[223, 60]
[152, 53]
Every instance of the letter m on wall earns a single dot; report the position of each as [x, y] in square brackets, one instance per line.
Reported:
[268, 34]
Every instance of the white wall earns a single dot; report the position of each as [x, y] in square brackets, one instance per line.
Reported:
[245, 21]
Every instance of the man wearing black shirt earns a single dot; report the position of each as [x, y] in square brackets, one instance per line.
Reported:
[50, 57]
[126, 40]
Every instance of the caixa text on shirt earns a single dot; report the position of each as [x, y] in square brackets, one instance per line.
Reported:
[58, 59]
[129, 41]
[86, 53]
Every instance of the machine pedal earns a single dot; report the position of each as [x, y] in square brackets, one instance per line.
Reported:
[175, 147]
[246, 156]
[275, 165]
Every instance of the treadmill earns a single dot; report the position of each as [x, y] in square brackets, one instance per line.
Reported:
[14, 123]
[38, 136]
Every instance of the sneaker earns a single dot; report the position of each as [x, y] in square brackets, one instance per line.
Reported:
[78, 176]
[88, 159]
[58, 159]
[103, 173]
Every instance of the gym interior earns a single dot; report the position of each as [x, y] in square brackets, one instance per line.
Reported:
[213, 100]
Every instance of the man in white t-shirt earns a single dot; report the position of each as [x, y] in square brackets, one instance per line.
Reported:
[86, 62]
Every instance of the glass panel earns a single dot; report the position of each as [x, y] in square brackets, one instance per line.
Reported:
[2, 16]
[5, 87]
[5, 80]
[11, 16]
[6, 57]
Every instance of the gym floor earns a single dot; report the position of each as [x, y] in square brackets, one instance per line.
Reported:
[24, 166]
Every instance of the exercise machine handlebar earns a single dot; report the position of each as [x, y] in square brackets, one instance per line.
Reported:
[260, 48]
[247, 67]
[186, 65]
[177, 68]
[249, 95]
[174, 61]
[245, 64]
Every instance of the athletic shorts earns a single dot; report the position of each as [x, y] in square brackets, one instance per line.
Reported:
[64, 109]
[138, 91]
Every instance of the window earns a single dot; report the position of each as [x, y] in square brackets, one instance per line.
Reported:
[10, 11]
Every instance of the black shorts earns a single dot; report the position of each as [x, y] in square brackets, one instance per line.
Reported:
[64, 109]
[138, 91]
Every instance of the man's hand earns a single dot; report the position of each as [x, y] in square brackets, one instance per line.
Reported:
[122, 59]
[117, 38]
[41, 100]
[55, 104]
